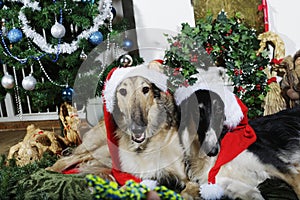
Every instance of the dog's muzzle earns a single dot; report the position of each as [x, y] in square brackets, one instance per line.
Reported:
[138, 134]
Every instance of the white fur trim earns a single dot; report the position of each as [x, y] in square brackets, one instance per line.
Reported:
[151, 184]
[233, 112]
[211, 191]
[120, 74]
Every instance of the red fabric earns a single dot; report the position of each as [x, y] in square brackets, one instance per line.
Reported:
[159, 61]
[122, 177]
[233, 143]
[264, 7]
[271, 80]
[112, 141]
[276, 61]
[71, 171]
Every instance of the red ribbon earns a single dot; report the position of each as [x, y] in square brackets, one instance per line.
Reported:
[276, 61]
[39, 133]
[271, 80]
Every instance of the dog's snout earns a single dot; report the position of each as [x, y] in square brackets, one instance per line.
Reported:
[214, 151]
[137, 129]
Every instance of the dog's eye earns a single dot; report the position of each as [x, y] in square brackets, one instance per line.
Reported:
[146, 90]
[123, 91]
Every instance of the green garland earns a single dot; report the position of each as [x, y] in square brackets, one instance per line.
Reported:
[10, 174]
[226, 42]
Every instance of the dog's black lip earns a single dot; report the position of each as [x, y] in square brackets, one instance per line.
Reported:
[138, 138]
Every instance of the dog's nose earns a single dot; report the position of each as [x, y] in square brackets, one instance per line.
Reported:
[137, 129]
[214, 151]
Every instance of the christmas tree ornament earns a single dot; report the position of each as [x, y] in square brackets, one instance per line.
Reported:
[125, 60]
[14, 35]
[83, 55]
[104, 8]
[1, 4]
[7, 81]
[111, 15]
[114, 12]
[67, 94]
[3, 28]
[29, 82]
[127, 44]
[96, 38]
[58, 30]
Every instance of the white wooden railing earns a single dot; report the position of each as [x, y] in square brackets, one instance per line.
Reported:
[8, 112]
[92, 112]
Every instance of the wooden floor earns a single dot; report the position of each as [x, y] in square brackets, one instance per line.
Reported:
[10, 138]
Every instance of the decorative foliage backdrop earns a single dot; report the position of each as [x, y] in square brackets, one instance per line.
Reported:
[230, 44]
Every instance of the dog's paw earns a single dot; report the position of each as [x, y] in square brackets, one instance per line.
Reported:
[191, 191]
[239, 190]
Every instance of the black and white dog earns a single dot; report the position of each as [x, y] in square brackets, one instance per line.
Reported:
[274, 154]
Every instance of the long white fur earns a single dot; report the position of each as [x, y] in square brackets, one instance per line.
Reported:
[159, 155]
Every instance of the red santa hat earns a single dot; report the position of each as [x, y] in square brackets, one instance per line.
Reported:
[120, 74]
[233, 112]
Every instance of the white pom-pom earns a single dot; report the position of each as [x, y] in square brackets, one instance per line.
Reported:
[211, 191]
[151, 184]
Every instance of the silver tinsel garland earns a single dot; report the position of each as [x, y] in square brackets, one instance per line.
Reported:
[104, 8]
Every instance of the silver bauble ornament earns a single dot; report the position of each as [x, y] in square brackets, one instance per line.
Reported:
[126, 60]
[83, 55]
[7, 81]
[58, 30]
[29, 82]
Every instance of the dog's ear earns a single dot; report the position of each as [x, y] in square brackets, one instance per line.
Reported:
[213, 110]
[156, 91]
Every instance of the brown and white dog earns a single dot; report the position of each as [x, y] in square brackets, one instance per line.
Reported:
[149, 146]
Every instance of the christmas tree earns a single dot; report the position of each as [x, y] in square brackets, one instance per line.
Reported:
[44, 43]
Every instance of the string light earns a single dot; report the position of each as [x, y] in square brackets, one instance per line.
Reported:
[48, 77]
[17, 96]
[105, 58]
